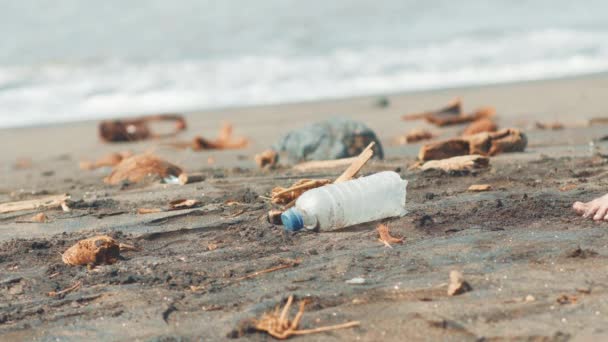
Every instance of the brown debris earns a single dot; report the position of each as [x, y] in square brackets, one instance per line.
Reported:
[460, 163]
[324, 164]
[357, 164]
[266, 159]
[444, 149]
[274, 216]
[598, 121]
[457, 284]
[452, 115]
[568, 187]
[287, 263]
[111, 159]
[143, 211]
[212, 246]
[480, 187]
[183, 204]
[281, 195]
[414, 136]
[138, 129]
[479, 126]
[39, 203]
[97, 250]
[178, 204]
[224, 141]
[385, 236]
[74, 287]
[38, 218]
[554, 126]
[567, 299]
[486, 143]
[453, 109]
[187, 178]
[277, 324]
[139, 167]
[22, 164]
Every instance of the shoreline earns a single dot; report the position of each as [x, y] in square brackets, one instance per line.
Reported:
[370, 97]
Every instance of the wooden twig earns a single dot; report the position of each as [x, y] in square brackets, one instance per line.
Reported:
[39, 203]
[278, 325]
[66, 290]
[324, 164]
[356, 166]
[269, 270]
[385, 236]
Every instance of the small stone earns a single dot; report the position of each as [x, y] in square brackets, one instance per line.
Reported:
[530, 298]
[327, 140]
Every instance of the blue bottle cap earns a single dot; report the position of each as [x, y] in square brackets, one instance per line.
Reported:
[292, 220]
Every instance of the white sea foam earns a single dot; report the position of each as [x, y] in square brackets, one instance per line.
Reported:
[52, 92]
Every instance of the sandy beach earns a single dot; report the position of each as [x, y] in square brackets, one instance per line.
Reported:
[520, 240]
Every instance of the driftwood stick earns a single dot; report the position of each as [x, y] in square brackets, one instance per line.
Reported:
[39, 203]
[356, 166]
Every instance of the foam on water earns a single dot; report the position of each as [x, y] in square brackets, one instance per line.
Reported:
[47, 92]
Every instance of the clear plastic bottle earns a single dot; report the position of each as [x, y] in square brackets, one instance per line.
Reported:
[348, 203]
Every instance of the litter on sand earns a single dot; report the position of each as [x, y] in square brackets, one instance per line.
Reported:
[331, 139]
[139, 128]
[452, 114]
[461, 163]
[96, 250]
[173, 205]
[38, 218]
[224, 141]
[286, 195]
[141, 167]
[109, 160]
[266, 159]
[479, 187]
[457, 284]
[553, 126]
[277, 324]
[39, 203]
[414, 136]
[480, 126]
[385, 237]
[485, 143]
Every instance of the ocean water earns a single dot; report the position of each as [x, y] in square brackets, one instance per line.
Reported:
[69, 60]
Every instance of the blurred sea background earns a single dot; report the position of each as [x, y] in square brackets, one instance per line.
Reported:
[70, 60]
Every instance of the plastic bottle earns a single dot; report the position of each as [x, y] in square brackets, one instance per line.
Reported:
[348, 203]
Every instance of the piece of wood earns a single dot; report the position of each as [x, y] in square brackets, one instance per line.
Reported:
[385, 236]
[460, 163]
[357, 164]
[452, 109]
[39, 203]
[187, 178]
[415, 136]
[479, 126]
[444, 149]
[285, 195]
[480, 187]
[324, 164]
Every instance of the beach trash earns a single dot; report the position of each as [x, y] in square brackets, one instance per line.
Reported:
[331, 139]
[141, 167]
[97, 250]
[139, 128]
[344, 204]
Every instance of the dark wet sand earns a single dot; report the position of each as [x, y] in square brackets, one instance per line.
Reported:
[520, 239]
